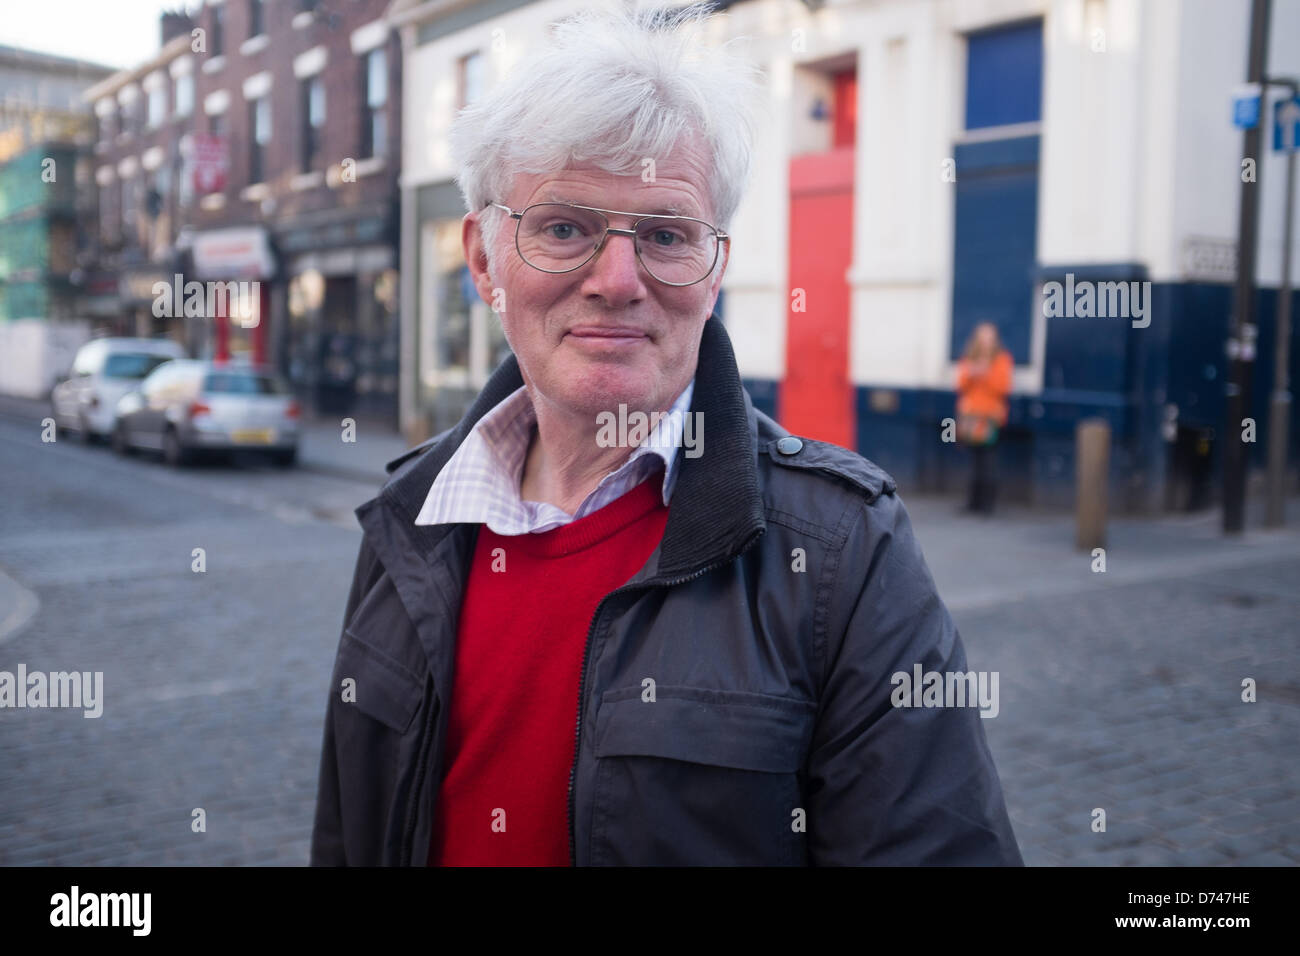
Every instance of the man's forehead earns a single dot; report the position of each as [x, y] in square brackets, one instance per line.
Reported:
[675, 185]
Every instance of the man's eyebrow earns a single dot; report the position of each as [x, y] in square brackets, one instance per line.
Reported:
[669, 210]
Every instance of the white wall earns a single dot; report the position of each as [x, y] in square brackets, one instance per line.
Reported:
[34, 352]
[1137, 153]
[1214, 36]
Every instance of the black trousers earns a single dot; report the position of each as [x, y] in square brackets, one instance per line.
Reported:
[983, 484]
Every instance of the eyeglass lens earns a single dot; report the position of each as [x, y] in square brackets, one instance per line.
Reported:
[555, 237]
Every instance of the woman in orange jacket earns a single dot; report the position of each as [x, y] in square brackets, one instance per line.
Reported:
[983, 384]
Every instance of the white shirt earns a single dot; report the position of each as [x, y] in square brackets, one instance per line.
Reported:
[480, 482]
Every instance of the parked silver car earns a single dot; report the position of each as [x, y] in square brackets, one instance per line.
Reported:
[103, 371]
[187, 407]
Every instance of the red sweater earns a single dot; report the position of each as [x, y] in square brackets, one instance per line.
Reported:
[503, 800]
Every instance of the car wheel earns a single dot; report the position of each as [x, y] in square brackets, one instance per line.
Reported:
[120, 445]
[174, 453]
[84, 434]
[285, 459]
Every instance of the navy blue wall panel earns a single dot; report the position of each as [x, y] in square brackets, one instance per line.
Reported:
[1004, 75]
[994, 241]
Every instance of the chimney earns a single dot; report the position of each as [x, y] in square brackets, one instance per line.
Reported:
[174, 23]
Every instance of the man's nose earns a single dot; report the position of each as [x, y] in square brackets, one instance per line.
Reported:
[616, 275]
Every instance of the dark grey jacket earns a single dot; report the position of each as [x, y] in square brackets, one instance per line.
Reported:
[787, 590]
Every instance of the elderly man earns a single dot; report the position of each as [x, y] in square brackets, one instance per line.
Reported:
[575, 642]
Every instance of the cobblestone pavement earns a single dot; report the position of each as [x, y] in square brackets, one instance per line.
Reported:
[1122, 690]
[1119, 690]
[214, 682]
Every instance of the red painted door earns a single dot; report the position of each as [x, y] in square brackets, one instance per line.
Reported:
[816, 398]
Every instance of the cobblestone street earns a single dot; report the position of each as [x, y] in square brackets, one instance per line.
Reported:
[1119, 691]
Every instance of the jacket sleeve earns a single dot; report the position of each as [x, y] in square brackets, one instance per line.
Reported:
[1000, 374]
[888, 784]
[327, 844]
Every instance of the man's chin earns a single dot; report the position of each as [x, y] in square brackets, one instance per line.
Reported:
[588, 397]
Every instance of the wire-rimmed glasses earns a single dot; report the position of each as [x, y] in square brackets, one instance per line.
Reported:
[560, 237]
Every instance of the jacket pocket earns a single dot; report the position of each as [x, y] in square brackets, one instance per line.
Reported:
[699, 777]
[384, 689]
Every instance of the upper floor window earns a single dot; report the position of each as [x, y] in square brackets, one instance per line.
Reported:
[157, 105]
[1004, 76]
[217, 33]
[184, 94]
[256, 24]
[470, 79]
[313, 121]
[128, 208]
[374, 123]
[130, 118]
[260, 125]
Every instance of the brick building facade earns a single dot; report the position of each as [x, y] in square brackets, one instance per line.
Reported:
[144, 118]
[300, 100]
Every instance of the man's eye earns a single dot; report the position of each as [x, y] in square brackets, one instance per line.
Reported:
[561, 230]
[666, 237]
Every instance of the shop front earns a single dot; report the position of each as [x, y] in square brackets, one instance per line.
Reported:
[339, 346]
[225, 297]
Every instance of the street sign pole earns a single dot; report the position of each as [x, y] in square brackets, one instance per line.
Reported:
[1280, 412]
[1241, 343]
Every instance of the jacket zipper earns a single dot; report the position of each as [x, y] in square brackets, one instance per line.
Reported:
[586, 651]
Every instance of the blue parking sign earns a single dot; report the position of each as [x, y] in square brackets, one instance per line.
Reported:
[1245, 106]
[1286, 125]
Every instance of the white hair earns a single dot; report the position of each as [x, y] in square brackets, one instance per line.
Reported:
[612, 88]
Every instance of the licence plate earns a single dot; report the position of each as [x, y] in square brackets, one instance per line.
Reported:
[251, 436]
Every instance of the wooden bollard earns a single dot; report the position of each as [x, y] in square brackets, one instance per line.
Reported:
[1091, 482]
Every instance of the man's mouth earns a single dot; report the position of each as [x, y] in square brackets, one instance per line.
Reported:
[607, 332]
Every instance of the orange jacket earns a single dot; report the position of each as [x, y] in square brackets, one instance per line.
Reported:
[985, 393]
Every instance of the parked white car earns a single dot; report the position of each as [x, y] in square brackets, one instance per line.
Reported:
[103, 371]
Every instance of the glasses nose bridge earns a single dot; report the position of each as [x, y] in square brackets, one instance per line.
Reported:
[612, 231]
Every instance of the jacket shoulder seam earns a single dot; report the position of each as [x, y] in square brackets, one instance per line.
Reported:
[834, 462]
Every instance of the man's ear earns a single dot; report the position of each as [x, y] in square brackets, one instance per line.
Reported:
[719, 271]
[471, 237]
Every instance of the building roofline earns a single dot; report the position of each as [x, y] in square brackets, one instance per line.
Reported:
[36, 59]
[174, 47]
[407, 12]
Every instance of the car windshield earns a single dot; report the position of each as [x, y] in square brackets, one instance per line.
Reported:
[243, 383]
[134, 365]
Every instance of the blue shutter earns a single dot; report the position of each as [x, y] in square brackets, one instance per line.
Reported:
[1004, 76]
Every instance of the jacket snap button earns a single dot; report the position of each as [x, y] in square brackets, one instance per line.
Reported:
[789, 445]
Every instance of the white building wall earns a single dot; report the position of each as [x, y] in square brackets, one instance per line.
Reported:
[1090, 156]
[1213, 37]
[1138, 156]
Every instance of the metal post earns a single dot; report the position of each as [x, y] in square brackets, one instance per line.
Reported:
[1241, 343]
[1279, 420]
[1091, 482]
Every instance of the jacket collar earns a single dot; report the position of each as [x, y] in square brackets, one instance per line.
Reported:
[716, 507]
